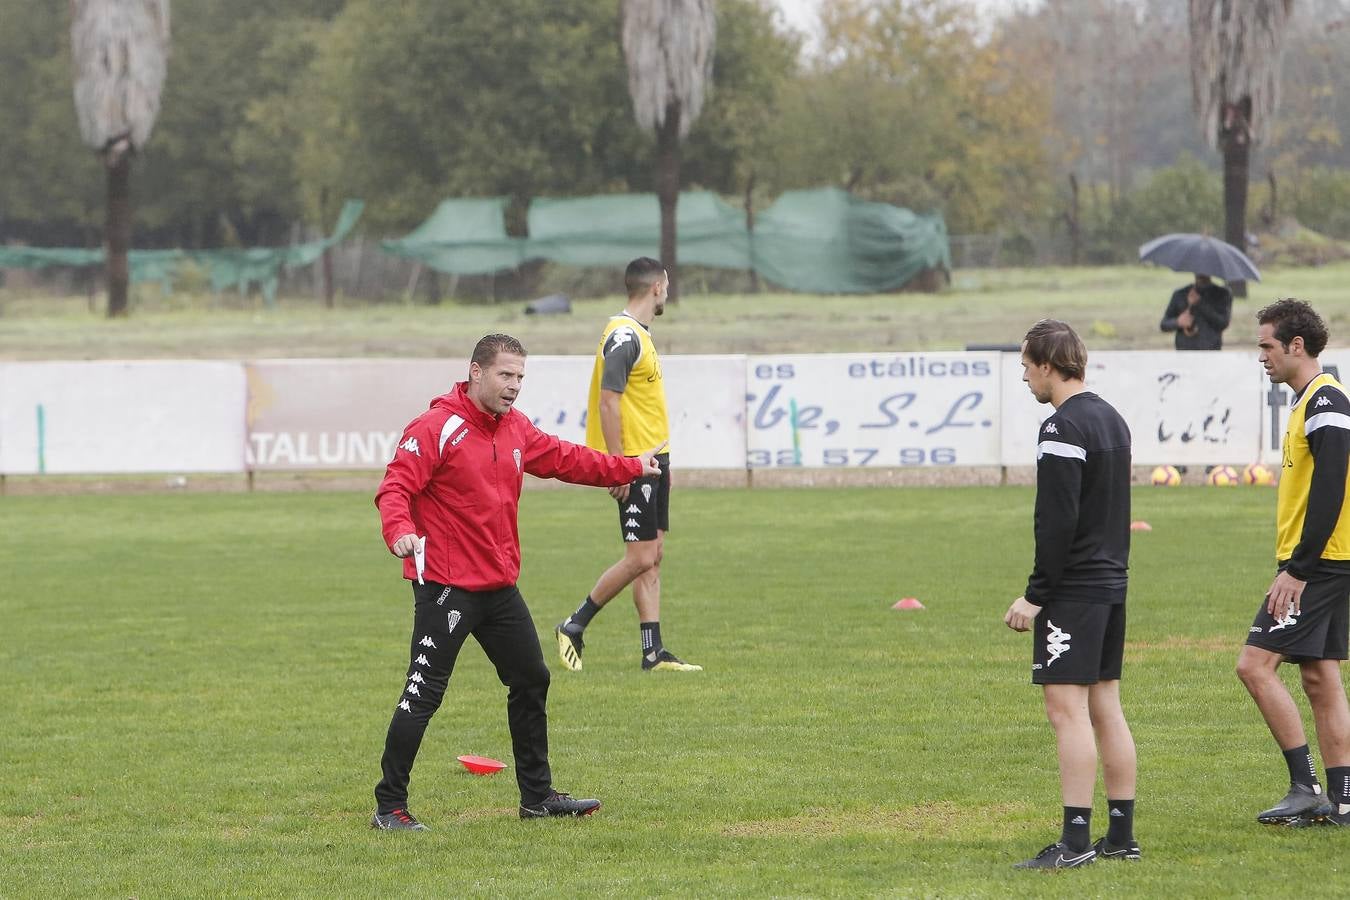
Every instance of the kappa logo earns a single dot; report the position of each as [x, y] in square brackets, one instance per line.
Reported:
[412, 689]
[459, 437]
[422, 660]
[1056, 643]
[445, 594]
[426, 641]
[631, 523]
[1050, 428]
[1322, 401]
[515, 454]
[647, 492]
[411, 446]
[1290, 620]
[417, 677]
[632, 508]
[453, 617]
[630, 536]
[405, 706]
[619, 337]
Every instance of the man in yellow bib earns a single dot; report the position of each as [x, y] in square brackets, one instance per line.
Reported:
[1305, 616]
[626, 413]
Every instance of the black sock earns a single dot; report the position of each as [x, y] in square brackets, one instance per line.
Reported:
[1301, 768]
[651, 638]
[1077, 832]
[1338, 785]
[576, 623]
[1120, 827]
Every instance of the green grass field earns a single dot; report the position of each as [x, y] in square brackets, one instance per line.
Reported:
[1114, 308]
[195, 691]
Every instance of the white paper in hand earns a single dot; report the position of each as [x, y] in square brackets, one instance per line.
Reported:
[420, 558]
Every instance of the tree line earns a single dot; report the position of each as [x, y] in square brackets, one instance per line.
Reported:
[273, 112]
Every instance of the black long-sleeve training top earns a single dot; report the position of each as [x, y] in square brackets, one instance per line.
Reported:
[1082, 504]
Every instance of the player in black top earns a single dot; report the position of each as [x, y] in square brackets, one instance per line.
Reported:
[1075, 598]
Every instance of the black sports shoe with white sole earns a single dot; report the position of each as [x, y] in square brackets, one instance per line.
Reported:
[1059, 856]
[1107, 850]
[1302, 805]
[398, 820]
[558, 804]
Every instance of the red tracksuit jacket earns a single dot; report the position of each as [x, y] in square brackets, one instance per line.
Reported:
[455, 479]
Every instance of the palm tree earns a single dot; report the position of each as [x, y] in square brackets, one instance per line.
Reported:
[669, 48]
[120, 49]
[1236, 48]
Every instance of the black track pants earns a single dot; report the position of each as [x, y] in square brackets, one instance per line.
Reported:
[443, 617]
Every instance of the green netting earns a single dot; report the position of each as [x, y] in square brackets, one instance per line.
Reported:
[225, 268]
[613, 229]
[463, 236]
[829, 241]
[824, 241]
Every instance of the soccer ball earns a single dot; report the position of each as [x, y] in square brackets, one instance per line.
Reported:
[1258, 474]
[1166, 476]
[1222, 476]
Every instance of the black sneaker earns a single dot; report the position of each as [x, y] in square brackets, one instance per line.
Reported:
[1107, 850]
[1058, 856]
[1302, 805]
[398, 820]
[1333, 816]
[664, 661]
[558, 804]
[569, 647]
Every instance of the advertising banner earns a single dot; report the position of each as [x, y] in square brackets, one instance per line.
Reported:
[338, 413]
[110, 417]
[880, 410]
[348, 414]
[1182, 408]
[705, 399]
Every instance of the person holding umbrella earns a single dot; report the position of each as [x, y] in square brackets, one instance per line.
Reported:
[1199, 313]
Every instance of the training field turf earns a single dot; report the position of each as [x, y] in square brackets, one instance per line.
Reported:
[194, 690]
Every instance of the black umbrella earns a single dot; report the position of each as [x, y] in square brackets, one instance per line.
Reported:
[1201, 254]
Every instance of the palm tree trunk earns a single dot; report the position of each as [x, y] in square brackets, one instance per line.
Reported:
[1236, 149]
[668, 191]
[118, 234]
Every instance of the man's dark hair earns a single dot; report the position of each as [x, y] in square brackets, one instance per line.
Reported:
[641, 274]
[1054, 342]
[1294, 318]
[491, 344]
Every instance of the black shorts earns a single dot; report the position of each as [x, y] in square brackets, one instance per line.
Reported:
[647, 509]
[1322, 627]
[1078, 643]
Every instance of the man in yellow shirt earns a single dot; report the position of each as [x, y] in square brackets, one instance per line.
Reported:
[626, 413]
[1305, 616]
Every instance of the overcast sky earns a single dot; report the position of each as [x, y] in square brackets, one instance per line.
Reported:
[801, 14]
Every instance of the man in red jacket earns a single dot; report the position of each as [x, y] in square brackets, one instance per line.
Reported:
[448, 505]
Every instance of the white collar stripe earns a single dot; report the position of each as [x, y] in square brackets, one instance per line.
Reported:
[1059, 448]
[447, 431]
